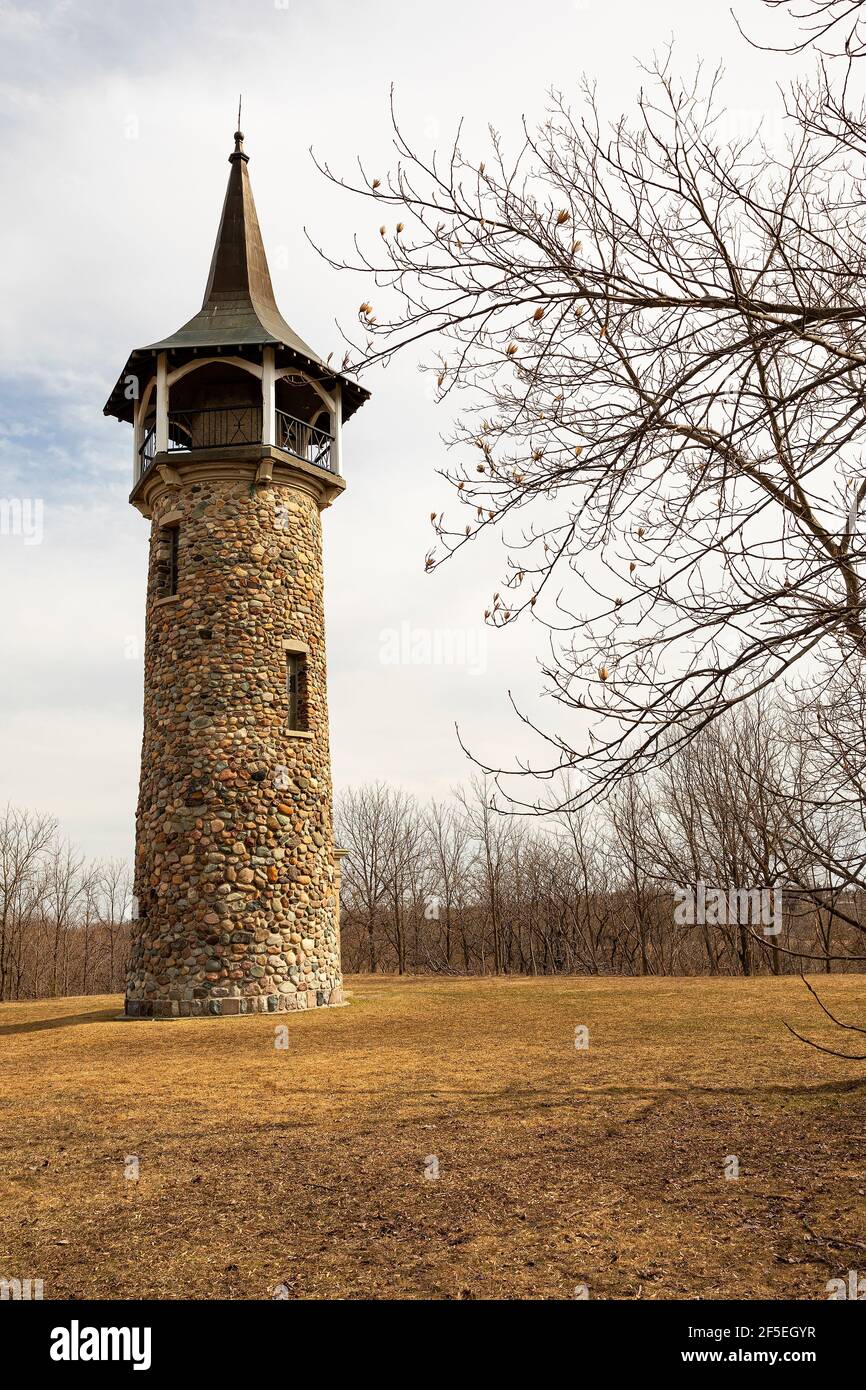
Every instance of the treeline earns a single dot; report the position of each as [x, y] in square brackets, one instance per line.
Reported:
[64, 920]
[457, 887]
[766, 808]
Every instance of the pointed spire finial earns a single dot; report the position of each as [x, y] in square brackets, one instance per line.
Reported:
[238, 152]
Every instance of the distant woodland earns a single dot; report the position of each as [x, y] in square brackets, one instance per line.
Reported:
[458, 887]
[752, 804]
[64, 920]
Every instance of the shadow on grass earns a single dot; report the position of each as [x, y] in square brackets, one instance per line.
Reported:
[512, 1100]
[38, 1025]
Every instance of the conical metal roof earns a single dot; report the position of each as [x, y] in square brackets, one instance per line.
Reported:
[239, 310]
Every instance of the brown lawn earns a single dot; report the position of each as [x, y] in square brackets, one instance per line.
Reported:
[305, 1168]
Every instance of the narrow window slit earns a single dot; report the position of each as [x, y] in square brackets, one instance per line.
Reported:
[296, 690]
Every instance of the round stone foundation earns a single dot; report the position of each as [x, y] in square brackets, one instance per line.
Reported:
[231, 1007]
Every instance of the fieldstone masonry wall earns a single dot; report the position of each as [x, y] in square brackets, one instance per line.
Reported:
[236, 877]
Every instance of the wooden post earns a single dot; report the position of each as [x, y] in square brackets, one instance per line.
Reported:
[137, 439]
[161, 403]
[337, 450]
[269, 398]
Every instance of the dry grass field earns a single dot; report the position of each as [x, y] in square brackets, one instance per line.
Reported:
[305, 1168]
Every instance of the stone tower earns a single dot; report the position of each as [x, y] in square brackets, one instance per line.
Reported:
[237, 450]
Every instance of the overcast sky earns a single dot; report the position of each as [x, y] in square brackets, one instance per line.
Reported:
[117, 124]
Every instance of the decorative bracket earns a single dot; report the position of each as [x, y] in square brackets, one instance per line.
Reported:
[169, 475]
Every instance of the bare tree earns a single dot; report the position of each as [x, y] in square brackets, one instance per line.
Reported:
[658, 333]
[628, 811]
[490, 832]
[834, 28]
[448, 838]
[114, 889]
[405, 856]
[362, 818]
[65, 887]
[24, 841]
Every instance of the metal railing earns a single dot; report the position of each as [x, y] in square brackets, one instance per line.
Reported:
[306, 442]
[147, 450]
[218, 426]
[215, 426]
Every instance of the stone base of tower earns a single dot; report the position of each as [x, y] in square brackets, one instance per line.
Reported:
[300, 1001]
